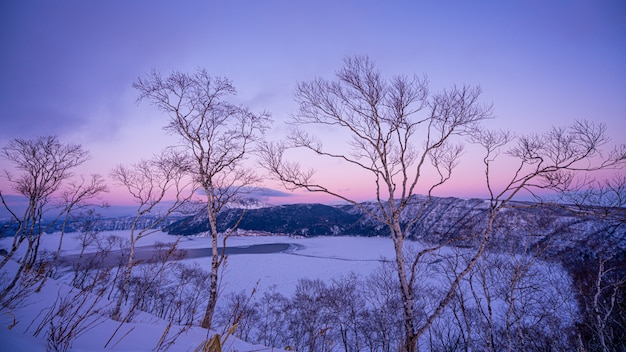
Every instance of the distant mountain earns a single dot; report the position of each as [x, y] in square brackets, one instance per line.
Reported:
[339, 220]
[293, 219]
[8, 228]
[437, 220]
[116, 218]
[247, 203]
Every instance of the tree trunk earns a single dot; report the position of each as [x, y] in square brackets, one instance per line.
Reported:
[125, 280]
[210, 309]
[408, 298]
[215, 263]
[17, 242]
[18, 274]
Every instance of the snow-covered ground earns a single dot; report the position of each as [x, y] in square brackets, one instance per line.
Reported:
[316, 258]
[18, 326]
[313, 258]
[322, 258]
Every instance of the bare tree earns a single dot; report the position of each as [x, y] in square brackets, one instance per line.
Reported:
[218, 136]
[159, 188]
[45, 166]
[345, 300]
[604, 303]
[556, 160]
[599, 265]
[308, 317]
[273, 310]
[76, 197]
[516, 301]
[385, 120]
[240, 310]
[382, 323]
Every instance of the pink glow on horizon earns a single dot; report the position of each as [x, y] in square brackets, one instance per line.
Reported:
[69, 67]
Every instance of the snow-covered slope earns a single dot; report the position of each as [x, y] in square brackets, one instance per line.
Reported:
[29, 324]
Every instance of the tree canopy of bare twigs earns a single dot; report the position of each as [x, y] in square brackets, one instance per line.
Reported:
[598, 265]
[44, 177]
[399, 132]
[563, 160]
[159, 187]
[218, 137]
[557, 160]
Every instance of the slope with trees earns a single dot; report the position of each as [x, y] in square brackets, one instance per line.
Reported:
[397, 132]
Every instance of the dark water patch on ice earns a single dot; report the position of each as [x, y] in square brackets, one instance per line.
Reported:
[266, 248]
[149, 254]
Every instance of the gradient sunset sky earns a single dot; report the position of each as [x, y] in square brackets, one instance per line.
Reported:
[67, 66]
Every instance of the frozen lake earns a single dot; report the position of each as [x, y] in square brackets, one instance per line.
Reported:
[278, 261]
[145, 254]
[322, 258]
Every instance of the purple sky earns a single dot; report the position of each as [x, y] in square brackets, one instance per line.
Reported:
[67, 66]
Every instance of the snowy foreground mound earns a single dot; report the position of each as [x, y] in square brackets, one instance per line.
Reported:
[32, 314]
[318, 258]
[26, 325]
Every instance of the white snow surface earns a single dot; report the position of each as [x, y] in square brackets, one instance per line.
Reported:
[324, 258]
[313, 258]
[140, 335]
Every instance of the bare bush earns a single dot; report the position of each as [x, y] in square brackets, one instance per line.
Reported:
[45, 179]
[273, 324]
[151, 183]
[71, 316]
[509, 302]
[240, 310]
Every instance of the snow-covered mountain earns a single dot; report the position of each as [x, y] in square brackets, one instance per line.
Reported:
[247, 203]
[96, 224]
[439, 220]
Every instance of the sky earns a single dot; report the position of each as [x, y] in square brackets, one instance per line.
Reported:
[67, 66]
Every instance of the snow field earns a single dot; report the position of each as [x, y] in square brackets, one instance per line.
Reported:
[544, 289]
